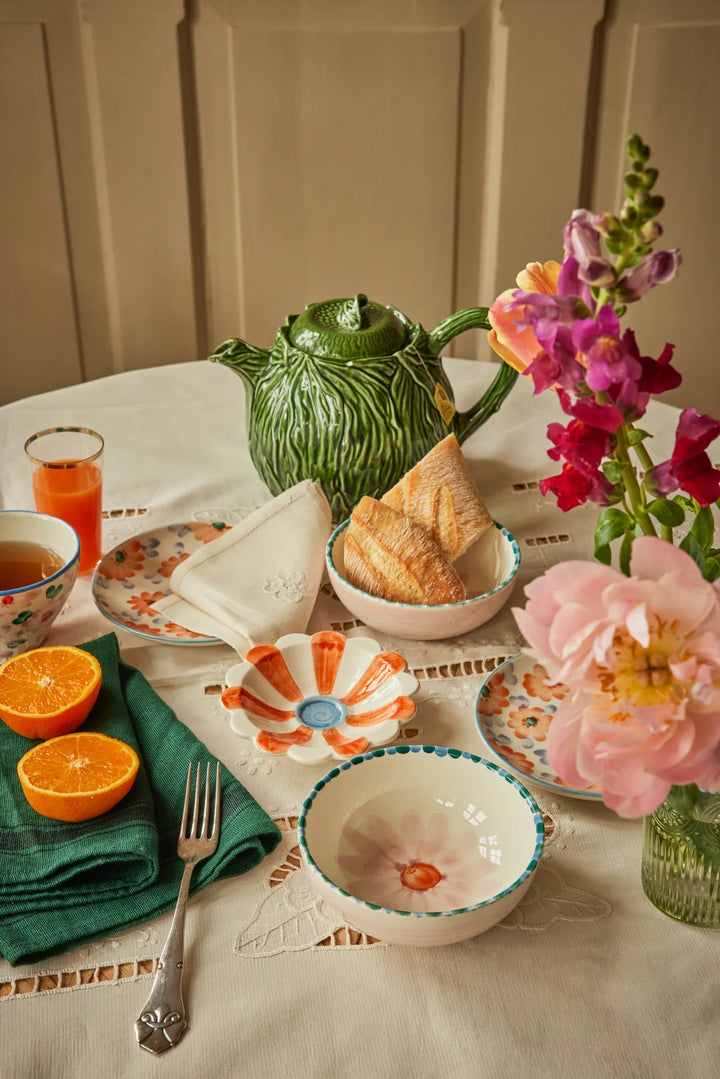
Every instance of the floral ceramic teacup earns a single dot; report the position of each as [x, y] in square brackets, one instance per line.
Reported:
[28, 611]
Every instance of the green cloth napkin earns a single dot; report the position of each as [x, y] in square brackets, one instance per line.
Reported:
[64, 884]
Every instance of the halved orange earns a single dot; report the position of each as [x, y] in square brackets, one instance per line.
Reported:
[77, 776]
[48, 691]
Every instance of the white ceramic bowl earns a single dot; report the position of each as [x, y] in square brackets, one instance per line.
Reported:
[27, 613]
[420, 845]
[488, 571]
[315, 698]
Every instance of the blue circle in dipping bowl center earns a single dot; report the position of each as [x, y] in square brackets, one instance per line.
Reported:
[321, 713]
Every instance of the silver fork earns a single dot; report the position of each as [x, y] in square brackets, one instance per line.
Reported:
[162, 1021]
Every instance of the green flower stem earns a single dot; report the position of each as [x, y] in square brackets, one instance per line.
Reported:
[647, 464]
[643, 456]
[632, 487]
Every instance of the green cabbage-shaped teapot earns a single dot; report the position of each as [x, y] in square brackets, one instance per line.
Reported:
[353, 394]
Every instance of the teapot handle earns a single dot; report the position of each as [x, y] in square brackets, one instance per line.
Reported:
[469, 319]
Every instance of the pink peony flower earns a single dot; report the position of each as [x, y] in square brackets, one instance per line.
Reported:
[641, 655]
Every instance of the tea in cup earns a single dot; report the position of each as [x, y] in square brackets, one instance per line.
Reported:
[39, 559]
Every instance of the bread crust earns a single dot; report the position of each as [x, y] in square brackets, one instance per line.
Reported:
[390, 556]
[441, 496]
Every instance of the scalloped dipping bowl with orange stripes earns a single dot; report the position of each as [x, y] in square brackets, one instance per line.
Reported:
[319, 697]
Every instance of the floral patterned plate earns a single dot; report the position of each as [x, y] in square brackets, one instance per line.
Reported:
[513, 712]
[312, 698]
[136, 574]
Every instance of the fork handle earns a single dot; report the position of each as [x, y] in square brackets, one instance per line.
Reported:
[162, 1024]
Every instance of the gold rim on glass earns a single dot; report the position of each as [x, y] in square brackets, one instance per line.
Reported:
[61, 430]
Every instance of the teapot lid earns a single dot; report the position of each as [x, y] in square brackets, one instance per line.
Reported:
[348, 329]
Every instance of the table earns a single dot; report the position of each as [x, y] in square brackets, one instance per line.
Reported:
[585, 977]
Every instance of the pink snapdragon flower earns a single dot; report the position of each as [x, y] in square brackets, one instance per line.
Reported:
[655, 269]
[641, 655]
[609, 360]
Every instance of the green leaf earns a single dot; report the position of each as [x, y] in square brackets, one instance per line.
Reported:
[712, 568]
[603, 554]
[688, 503]
[613, 471]
[635, 435]
[691, 546]
[703, 528]
[611, 523]
[624, 555]
[666, 512]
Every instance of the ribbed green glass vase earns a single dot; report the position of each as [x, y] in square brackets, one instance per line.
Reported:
[681, 856]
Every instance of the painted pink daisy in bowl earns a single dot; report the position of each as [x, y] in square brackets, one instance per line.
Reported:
[420, 845]
[315, 698]
[420, 862]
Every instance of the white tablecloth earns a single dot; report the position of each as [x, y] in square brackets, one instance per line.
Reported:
[585, 977]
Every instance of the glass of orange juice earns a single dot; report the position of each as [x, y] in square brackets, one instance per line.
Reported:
[67, 464]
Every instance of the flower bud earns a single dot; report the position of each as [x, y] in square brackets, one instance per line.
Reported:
[651, 231]
[636, 149]
[648, 178]
[655, 269]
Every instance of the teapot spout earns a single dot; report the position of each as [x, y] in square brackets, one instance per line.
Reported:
[246, 360]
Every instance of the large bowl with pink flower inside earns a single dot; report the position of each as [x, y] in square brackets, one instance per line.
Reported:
[420, 845]
[319, 697]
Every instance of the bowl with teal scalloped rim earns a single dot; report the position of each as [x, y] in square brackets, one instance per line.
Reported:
[420, 845]
[488, 570]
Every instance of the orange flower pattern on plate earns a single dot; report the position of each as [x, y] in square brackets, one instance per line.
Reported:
[143, 603]
[514, 712]
[535, 682]
[166, 568]
[135, 575]
[206, 533]
[497, 697]
[531, 721]
[124, 562]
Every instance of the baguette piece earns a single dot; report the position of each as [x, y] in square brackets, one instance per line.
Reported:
[440, 495]
[391, 557]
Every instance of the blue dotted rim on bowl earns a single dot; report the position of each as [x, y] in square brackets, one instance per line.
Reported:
[439, 751]
[53, 576]
[440, 606]
[525, 777]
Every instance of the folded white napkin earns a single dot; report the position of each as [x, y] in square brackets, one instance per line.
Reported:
[260, 579]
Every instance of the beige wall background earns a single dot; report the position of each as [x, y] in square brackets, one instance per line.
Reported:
[173, 174]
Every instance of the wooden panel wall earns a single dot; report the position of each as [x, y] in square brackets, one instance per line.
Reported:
[177, 172]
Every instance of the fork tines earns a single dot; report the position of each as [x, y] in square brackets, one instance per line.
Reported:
[198, 831]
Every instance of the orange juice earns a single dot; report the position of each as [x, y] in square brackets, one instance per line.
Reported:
[72, 490]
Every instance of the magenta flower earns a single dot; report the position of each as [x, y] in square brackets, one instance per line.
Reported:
[656, 268]
[641, 655]
[609, 360]
[658, 376]
[607, 417]
[583, 446]
[574, 487]
[584, 243]
[555, 366]
[690, 468]
[537, 306]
